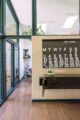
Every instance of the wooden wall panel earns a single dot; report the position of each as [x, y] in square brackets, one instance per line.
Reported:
[38, 71]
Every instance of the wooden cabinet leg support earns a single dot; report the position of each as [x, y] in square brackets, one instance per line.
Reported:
[43, 88]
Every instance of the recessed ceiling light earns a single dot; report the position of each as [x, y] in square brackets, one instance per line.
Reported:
[70, 21]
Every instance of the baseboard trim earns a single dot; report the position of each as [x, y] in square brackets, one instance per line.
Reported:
[56, 100]
[21, 79]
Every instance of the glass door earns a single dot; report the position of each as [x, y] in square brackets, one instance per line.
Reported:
[0, 70]
[9, 66]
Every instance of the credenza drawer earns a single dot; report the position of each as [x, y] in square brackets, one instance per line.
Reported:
[63, 83]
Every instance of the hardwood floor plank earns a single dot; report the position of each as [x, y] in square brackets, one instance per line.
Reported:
[19, 106]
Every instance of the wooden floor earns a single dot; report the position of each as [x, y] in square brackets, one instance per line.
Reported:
[20, 107]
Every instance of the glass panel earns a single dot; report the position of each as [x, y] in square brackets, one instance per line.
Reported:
[0, 89]
[8, 66]
[10, 22]
[14, 40]
[23, 9]
[16, 64]
[58, 17]
[0, 67]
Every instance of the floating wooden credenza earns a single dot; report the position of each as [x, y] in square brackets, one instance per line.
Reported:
[59, 82]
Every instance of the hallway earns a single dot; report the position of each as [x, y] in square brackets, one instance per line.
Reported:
[20, 107]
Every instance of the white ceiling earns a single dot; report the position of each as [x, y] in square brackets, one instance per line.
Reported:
[23, 10]
[54, 13]
[51, 12]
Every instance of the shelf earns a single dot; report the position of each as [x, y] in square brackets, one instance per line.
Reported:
[25, 57]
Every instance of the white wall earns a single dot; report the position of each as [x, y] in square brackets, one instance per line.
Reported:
[25, 44]
[21, 59]
[28, 45]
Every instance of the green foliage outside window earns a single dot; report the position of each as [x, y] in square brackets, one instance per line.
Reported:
[29, 30]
